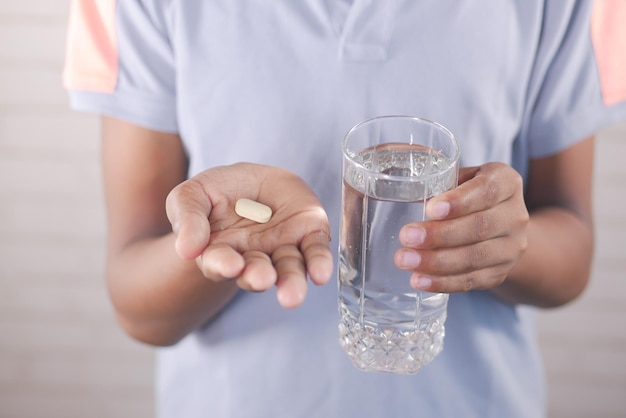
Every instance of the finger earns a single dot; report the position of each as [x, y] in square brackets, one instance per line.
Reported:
[476, 280]
[291, 283]
[458, 260]
[492, 183]
[318, 257]
[220, 261]
[466, 230]
[188, 207]
[259, 273]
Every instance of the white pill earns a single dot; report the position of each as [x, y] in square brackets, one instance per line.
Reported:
[255, 211]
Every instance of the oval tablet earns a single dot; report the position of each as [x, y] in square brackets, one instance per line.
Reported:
[255, 211]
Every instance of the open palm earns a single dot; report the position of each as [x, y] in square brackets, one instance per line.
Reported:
[281, 252]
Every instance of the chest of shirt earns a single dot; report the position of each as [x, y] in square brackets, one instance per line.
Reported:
[286, 76]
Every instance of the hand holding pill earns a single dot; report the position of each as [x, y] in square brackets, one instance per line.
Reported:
[260, 226]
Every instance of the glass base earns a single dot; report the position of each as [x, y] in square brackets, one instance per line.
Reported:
[387, 350]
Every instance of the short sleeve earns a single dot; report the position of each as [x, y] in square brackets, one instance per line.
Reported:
[608, 33]
[120, 62]
[568, 103]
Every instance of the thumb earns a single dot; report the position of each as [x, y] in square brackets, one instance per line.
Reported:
[188, 211]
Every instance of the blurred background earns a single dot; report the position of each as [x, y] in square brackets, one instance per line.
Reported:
[61, 353]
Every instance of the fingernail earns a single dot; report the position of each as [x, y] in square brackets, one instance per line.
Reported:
[409, 259]
[440, 210]
[414, 236]
[421, 282]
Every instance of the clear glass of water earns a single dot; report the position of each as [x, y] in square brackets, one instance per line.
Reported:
[391, 166]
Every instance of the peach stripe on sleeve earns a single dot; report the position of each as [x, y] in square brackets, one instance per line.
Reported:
[91, 61]
[608, 33]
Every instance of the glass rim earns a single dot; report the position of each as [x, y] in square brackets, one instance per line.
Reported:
[454, 159]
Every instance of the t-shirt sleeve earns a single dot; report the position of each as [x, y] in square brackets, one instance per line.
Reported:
[608, 33]
[120, 62]
[577, 91]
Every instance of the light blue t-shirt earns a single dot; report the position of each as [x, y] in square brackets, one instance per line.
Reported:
[280, 83]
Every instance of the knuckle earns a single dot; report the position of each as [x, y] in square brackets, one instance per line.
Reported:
[521, 238]
[317, 251]
[517, 179]
[286, 252]
[316, 243]
[254, 287]
[457, 284]
[523, 244]
[523, 218]
[207, 271]
[467, 282]
[478, 256]
[432, 262]
[501, 178]
[495, 276]
[184, 189]
[243, 284]
[440, 234]
[519, 241]
[490, 191]
[255, 257]
[482, 226]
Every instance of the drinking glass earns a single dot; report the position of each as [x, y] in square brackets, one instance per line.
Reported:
[392, 165]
